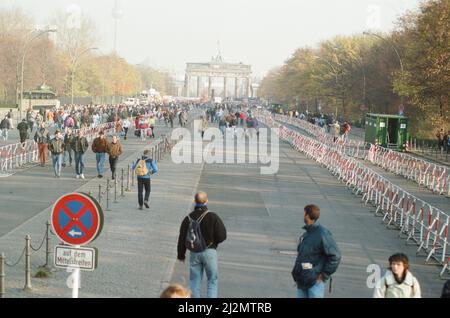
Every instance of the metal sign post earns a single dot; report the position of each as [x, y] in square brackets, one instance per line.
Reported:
[76, 281]
[77, 219]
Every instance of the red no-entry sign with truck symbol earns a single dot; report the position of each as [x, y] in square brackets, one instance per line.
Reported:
[77, 219]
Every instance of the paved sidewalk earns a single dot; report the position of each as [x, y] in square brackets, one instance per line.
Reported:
[136, 248]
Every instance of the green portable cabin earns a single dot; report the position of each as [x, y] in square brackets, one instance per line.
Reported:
[389, 131]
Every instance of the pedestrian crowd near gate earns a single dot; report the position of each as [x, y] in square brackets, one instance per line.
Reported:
[78, 130]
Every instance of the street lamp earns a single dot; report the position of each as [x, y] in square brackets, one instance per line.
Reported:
[334, 71]
[399, 59]
[74, 65]
[25, 50]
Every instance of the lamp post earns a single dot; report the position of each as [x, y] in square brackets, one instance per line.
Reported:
[334, 72]
[391, 44]
[74, 65]
[25, 50]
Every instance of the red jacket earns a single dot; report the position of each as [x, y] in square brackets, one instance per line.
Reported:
[136, 122]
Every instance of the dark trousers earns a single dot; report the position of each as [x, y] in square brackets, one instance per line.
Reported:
[143, 183]
[113, 165]
[125, 130]
[23, 137]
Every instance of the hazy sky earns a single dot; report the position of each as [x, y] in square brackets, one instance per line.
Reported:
[263, 33]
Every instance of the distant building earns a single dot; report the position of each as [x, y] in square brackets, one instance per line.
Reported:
[200, 79]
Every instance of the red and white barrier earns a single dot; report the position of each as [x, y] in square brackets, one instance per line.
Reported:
[433, 176]
[422, 223]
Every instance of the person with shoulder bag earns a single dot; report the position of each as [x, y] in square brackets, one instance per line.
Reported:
[144, 168]
[201, 232]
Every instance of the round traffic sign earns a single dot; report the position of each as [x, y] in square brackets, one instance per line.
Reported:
[77, 219]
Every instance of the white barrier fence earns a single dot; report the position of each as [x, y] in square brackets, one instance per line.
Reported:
[18, 155]
[430, 175]
[416, 220]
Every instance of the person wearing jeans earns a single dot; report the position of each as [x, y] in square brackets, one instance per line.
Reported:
[317, 291]
[318, 256]
[206, 261]
[57, 147]
[80, 145]
[203, 262]
[99, 146]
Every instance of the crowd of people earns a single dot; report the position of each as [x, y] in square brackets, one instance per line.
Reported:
[229, 117]
[202, 231]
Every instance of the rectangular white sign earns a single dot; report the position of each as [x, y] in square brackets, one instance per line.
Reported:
[76, 257]
[382, 125]
[402, 126]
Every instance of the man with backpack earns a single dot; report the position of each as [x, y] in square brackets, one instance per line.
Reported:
[318, 256]
[144, 168]
[201, 232]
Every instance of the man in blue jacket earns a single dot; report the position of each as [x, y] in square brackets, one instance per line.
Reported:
[143, 177]
[318, 257]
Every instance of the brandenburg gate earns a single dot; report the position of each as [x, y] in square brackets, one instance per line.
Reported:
[238, 74]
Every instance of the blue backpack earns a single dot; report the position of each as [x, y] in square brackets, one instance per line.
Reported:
[194, 238]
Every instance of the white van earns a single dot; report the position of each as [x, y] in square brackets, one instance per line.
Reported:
[131, 101]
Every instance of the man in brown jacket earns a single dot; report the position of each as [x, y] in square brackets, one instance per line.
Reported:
[99, 148]
[114, 149]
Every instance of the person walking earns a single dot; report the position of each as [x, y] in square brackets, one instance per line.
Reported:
[201, 232]
[5, 126]
[152, 124]
[99, 148]
[144, 168]
[42, 138]
[10, 116]
[79, 145]
[118, 126]
[68, 139]
[23, 130]
[114, 150]
[204, 126]
[336, 131]
[222, 125]
[126, 126]
[398, 282]
[57, 147]
[318, 256]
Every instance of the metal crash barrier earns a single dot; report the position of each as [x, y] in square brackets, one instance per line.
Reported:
[433, 176]
[416, 220]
